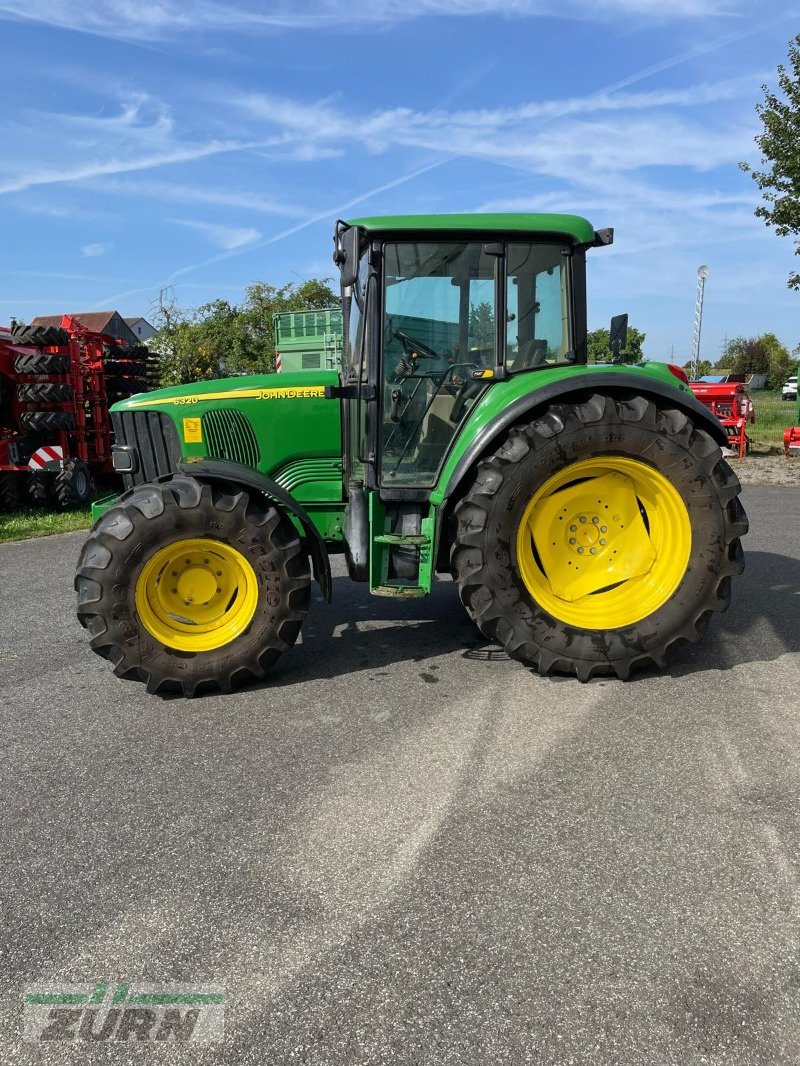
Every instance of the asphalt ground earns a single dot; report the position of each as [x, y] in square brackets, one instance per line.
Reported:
[407, 848]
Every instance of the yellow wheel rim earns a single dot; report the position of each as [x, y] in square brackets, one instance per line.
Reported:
[604, 543]
[196, 595]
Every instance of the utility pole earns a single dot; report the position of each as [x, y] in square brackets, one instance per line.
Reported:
[702, 274]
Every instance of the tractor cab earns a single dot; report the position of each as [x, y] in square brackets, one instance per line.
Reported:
[435, 311]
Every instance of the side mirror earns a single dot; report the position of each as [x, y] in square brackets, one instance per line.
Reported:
[346, 242]
[618, 334]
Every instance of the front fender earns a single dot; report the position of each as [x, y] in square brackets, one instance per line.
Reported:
[223, 470]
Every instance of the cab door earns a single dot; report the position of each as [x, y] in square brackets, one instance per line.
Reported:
[359, 395]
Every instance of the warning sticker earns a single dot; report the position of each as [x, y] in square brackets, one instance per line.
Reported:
[193, 430]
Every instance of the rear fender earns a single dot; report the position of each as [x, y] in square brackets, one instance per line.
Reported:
[572, 390]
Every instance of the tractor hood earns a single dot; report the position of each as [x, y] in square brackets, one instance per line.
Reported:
[269, 422]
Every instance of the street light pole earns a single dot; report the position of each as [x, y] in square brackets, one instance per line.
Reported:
[702, 274]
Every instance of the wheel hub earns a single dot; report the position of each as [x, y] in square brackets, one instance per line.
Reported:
[196, 595]
[584, 533]
[585, 551]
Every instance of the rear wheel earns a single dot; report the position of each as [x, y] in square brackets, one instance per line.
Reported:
[192, 587]
[599, 538]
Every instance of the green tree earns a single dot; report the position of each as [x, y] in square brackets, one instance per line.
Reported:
[481, 324]
[758, 355]
[704, 366]
[599, 346]
[221, 338]
[779, 144]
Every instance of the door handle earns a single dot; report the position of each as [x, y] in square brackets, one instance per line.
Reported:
[394, 410]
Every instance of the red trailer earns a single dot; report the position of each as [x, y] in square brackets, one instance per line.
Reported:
[732, 405]
[56, 385]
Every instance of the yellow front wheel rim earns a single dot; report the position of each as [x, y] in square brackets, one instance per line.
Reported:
[196, 595]
[604, 543]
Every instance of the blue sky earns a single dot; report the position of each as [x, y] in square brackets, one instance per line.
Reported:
[205, 145]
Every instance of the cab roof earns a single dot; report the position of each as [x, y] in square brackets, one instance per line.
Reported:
[572, 226]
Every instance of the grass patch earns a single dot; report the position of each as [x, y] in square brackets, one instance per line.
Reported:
[773, 415]
[22, 525]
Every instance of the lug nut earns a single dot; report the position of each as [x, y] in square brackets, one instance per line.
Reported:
[595, 519]
[582, 518]
[604, 529]
[593, 551]
[603, 541]
[572, 540]
[572, 528]
[580, 551]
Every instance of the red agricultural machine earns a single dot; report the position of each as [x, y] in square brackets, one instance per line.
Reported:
[730, 402]
[56, 385]
[791, 435]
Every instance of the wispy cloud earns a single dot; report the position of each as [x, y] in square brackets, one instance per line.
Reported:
[139, 136]
[227, 237]
[619, 131]
[93, 251]
[159, 19]
[195, 194]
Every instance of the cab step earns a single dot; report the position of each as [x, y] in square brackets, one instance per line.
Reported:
[409, 539]
[416, 546]
[402, 592]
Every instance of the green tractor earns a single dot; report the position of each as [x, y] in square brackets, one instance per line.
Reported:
[584, 511]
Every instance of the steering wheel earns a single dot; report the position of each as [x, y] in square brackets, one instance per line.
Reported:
[411, 344]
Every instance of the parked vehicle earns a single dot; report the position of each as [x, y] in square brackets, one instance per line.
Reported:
[789, 390]
[585, 511]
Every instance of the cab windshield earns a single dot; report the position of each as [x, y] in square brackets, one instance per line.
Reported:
[440, 331]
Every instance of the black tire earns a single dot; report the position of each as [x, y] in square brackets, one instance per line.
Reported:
[132, 384]
[125, 366]
[73, 485]
[39, 490]
[47, 420]
[41, 363]
[11, 497]
[152, 516]
[44, 392]
[484, 553]
[41, 336]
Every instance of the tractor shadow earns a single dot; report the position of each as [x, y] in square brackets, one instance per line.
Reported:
[361, 632]
[358, 632]
[762, 624]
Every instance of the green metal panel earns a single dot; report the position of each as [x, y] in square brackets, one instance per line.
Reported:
[229, 435]
[502, 393]
[572, 226]
[295, 431]
[312, 479]
[309, 340]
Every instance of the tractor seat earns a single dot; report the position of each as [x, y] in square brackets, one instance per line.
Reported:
[531, 353]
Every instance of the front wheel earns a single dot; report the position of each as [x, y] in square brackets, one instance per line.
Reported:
[599, 538]
[192, 587]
